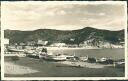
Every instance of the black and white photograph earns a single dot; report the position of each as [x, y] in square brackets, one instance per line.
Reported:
[71, 80]
[63, 39]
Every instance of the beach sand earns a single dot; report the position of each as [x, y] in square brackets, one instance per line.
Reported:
[85, 64]
[11, 68]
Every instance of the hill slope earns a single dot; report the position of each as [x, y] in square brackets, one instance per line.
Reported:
[55, 36]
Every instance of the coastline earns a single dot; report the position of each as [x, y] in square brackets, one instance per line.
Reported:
[69, 48]
[85, 64]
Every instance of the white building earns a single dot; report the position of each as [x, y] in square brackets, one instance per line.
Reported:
[41, 42]
[6, 41]
[58, 44]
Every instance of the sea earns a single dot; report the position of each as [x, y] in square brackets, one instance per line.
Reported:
[117, 53]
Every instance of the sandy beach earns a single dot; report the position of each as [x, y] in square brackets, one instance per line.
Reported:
[41, 68]
[11, 68]
[85, 64]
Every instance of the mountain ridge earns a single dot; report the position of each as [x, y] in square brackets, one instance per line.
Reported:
[68, 30]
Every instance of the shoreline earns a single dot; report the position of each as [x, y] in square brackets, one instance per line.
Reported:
[69, 48]
[84, 64]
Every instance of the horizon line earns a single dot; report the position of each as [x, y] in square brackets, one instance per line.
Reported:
[64, 30]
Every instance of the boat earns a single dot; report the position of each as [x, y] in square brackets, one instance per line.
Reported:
[119, 63]
[59, 57]
[15, 50]
[53, 57]
[101, 60]
[56, 58]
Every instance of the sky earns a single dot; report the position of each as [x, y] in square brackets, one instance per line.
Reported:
[31, 15]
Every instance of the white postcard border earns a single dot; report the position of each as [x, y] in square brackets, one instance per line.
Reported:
[67, 78]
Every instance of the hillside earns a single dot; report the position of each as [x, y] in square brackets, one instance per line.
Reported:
[55, 36]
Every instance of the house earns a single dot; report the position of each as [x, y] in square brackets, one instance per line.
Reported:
[6, 41]
[41, 42]
[72, 39]
[58, 44]
[6, 44]
[22, 44]
[31, 43]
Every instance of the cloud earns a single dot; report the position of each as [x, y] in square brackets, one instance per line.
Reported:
[26, 15]
[102, 14]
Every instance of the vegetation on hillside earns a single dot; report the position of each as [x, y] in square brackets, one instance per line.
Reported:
[68, 37]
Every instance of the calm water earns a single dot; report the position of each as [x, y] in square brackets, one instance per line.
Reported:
[49, 69]
[98, 53]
